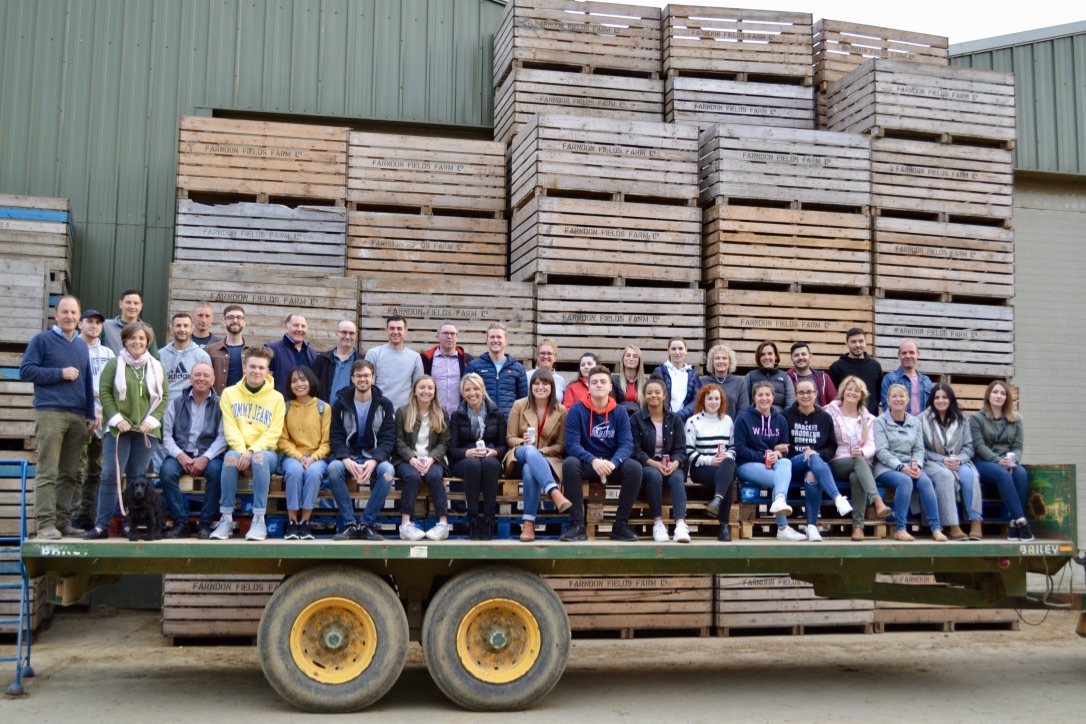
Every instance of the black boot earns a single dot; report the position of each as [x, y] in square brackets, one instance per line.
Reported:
[575, 532]
[621, 531]
[474, 527]
[725, 533]
[180, 530]
[486, 527]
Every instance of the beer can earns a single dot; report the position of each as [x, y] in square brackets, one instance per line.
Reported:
[666, 461]
[913, 464]
[1013, 458]
[532, 436]
[480, 445]
[720, 449]
[768, 462]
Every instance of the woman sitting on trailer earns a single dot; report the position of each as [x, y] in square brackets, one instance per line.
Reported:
[681, 379]
[423, 434]
[998, 438]
[659, 444]
[629, 381]
[710, 449]
[476, 450]
[948, 456]
[536, 437]
[305, 445]
[719, 364]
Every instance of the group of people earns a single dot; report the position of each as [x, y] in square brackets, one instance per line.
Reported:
[220, 408]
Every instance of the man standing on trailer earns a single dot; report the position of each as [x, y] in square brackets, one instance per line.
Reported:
[858, 363]
[227, 353]
[397, 366]
[333, 368]
[202, 319]
[291, 351]
[504, 377]
[801, 370]
[180, 356]
[131, 304]
[58, 363]
[446, 362]
[84, 507]
[918, 385]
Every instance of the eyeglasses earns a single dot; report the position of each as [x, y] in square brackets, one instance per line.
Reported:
[234, 317]
[347, 334]
[804, 393]
[449, 334]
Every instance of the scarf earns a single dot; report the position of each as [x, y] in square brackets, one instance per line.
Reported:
[153, 380]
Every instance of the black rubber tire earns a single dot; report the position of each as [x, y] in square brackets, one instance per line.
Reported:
[287, 603]
[459, 596]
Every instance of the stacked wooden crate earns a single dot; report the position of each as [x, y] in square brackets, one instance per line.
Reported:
[628, 604]
[774, 601]
[604, 210]
[740, 66]
[595, 59]
[40, 609]
[895, 615]
[786, 237]
[198, 606]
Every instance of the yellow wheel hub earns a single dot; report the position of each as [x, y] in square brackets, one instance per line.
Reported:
[498, 641]
[333, 640]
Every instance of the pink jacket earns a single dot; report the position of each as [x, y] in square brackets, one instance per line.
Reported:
[867, 444]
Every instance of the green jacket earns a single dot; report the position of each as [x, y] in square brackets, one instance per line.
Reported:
[136, 407]
[992, 439]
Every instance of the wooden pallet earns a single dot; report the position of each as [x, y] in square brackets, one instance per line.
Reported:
[629, 603]
[788, 246]
[291, 160]
[840, 47]
[426, 302]
[743, 319]
[389, 169]
[595, 35]
[942, 180]
[208, 606]
[593, 157]
[778, 601]
[578, 237]
[786, 165]
[24, 294]
[525, 92]
[605, 320]
[17, 416]
[709, 101]
[310, 238]
[954, 259]
[771, 43]
[967, 339]
[391, 244]
[11, 500]
[890, 615]
[268, 295]
[45, 241]
[41, 610]
[886, 96]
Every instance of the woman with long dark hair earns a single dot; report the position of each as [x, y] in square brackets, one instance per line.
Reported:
[948, 461]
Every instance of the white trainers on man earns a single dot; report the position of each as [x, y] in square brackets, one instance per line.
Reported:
[682, 532]
[780, 507]
[813, 536]
[410, 531]
[659, 532]
[791, 534]
[843, 506]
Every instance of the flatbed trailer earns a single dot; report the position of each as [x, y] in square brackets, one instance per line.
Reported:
[334, 636]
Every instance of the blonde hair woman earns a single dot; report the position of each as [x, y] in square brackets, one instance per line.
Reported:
[476, 449]
[629, 381]
[423, 435]
[998, 439]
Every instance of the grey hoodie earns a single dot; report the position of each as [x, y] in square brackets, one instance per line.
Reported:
[178, 363]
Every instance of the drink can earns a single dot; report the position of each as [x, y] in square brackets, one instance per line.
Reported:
[480, 445]
[719, 449]
[768, 462]
[913, 464]
[854, 440]
[1013, 458]
[532, 435]
[666, 461]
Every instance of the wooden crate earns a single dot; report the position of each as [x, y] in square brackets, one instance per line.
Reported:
[17, 416]
[930, 256]
[257, 158]
[390, 244]
[883, 96]
[967, 339]
[927, 178]
[38, 229]
[785, 164]
[841, 46]
[526, 91]
[11, 500]
[41, 610]
[579, 237]
[787, 246]
[574, 33]
[591, 156]
[709, 101]
[895, 614]
[605, 320]
[744, 319]
[778, 601]
[427, 302]
[745, 42]
[24, 293]
[391, 169]
[633, 603]
[215, 606]
[268, 295]
[312, 238]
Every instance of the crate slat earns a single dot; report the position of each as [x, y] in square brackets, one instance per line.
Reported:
[744, 601]
[24, 293]
[709, 101]
[840, 47]
[635, 602]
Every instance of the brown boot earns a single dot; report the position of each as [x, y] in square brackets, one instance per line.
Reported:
[561, 501]
[956, 533]
[976, 531]
[882, 512]
[527, 532]
[857, 533]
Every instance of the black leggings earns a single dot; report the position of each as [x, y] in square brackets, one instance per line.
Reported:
[721, 479]
[479, 474]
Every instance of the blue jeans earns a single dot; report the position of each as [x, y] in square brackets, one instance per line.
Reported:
[823, 479]
[128, 453]
[1013, 485]
[302, 484]
[171, 471]
[537, 475]
[966, 475]
[380, 484]
[777, 478]
[261, 464]
[654, 480]
[903, 494]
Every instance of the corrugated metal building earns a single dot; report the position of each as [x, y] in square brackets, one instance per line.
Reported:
[1050, 234]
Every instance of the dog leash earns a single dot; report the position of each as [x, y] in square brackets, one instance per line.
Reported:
[117, 469]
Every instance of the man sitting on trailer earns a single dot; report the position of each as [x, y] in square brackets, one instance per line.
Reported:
[194, 444]
[918, 385]
[226, 354]
[362, 436]
[333, 368]
[291, 351]
[599, 444]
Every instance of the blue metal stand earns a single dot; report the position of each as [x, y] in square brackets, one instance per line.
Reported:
[12, 564]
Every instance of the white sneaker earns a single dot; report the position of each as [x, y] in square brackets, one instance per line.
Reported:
[410, 531]
[682, 532]
[780, 507]
[813, 536]
[438, 532]
[224, 529]
[257, 529]
[791, 534]
[659, 532]
[843, 506]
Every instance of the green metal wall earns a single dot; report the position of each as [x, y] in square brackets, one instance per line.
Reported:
[1050, 81]
[91, 92]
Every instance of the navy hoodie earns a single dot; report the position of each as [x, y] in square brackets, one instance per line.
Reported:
[755, 433]
[814, 431]
[598, 433]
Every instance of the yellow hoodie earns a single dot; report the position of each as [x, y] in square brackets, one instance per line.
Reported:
[252, 421]
[306, 431]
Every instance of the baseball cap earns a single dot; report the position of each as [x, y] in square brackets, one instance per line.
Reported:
[93, 313]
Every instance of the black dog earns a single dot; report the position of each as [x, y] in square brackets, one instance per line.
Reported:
[144, 507]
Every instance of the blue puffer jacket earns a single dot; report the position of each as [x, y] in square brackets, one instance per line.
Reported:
[693, 384]
[506, 388]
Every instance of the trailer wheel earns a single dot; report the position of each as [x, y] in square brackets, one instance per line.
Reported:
[496, 639]
[333, 639]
